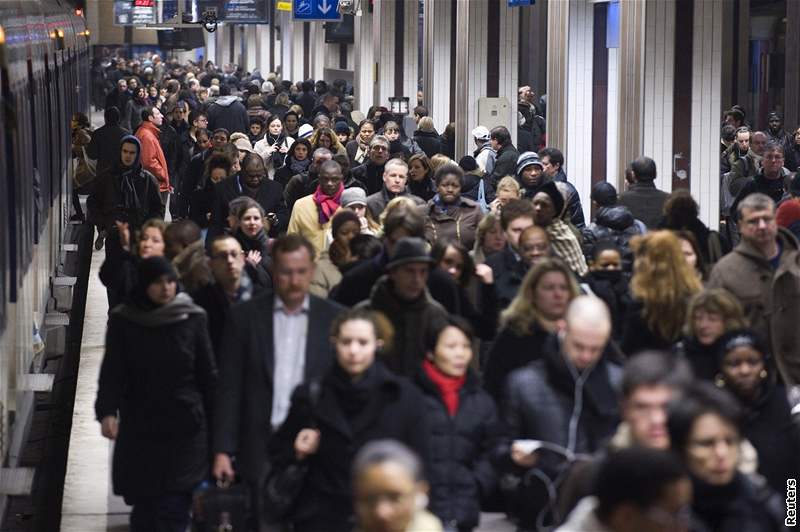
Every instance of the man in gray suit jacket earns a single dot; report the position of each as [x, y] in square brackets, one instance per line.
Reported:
[270, 345]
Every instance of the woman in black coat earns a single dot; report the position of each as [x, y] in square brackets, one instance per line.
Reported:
[746, 370]
[464, 427]
[712, 313]
[201, 200]
[155, 399]
[297, 161]
[252, 236]
[427, 138]
[533, 315]
[358, 401]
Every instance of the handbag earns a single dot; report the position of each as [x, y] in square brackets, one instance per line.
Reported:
[283, 487]
[221, 508]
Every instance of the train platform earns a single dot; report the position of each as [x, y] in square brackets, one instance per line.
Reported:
[89, 504]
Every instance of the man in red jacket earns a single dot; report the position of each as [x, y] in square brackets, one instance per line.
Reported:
[153, 159]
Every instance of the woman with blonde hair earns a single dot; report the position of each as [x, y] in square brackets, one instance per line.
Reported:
[711, 314]
[507, 189]
[541, 303]
[439, 160]
[489, 238]
[662, 284]
[325, 138]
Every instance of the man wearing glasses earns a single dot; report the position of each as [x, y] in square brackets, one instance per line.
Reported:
[763, 272]
[231, 285]
[772, 180]
[371, 172]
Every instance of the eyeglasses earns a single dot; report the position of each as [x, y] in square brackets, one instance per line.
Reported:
[379, 148]
[227, 255]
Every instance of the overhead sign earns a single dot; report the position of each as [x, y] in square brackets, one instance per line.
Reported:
[285, 5]
[237, 11]
[316, 10]
[518, 3]
[134, 12]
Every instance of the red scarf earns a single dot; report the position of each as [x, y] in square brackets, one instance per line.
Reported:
[327, 205]
[448, 386]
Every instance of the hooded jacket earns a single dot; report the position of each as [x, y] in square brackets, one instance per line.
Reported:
[614, 223]
[152, 156]
[128, 194]
[230, 113]
[769, 297]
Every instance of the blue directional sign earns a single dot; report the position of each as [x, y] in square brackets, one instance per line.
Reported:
[316, 10]
[518, 3]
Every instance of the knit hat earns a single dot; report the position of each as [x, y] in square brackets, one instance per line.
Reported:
[481, 133]
[407, 250]
[788, 212]
[342, 217]
[151, 268]
[354, 196]
[551, 190]
[740, 338]
[341, 127]
[604, 194]
[244, 145]
[305, 131]
[267, 87]
[527, 159]
[468, 163]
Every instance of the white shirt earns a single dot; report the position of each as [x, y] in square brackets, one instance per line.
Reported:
[289, 343]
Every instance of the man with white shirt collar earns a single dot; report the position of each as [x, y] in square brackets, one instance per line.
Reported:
[271, 344]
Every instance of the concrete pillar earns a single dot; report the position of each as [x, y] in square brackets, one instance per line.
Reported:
[364, 64]
[211, 46]
[557, 46]
[394, 33]
[792, 77]
[533, 47]
[706, 107]
[658, 87]
[251, 48]
[287, 49]
[437, 86]
[631, 81]
[220, 56]
[577, 148]
[318, 50]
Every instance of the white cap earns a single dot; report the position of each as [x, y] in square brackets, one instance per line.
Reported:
[305, 131]
[480, 133]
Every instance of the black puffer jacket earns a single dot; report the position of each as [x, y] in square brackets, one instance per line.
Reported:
[459, 468]
[540, 401]
[616, 224]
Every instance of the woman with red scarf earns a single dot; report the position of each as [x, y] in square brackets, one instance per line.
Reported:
[464, 428]
[312, 214]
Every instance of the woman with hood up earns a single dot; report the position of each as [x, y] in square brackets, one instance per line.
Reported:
[155, 398]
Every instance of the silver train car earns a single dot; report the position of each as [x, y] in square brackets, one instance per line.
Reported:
[44, 79]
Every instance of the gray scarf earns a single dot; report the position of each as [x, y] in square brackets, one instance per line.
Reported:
[176, 310]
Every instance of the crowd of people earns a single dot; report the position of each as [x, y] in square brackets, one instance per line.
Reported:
[369, 335]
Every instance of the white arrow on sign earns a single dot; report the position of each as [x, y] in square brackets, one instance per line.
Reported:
[325, 7]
